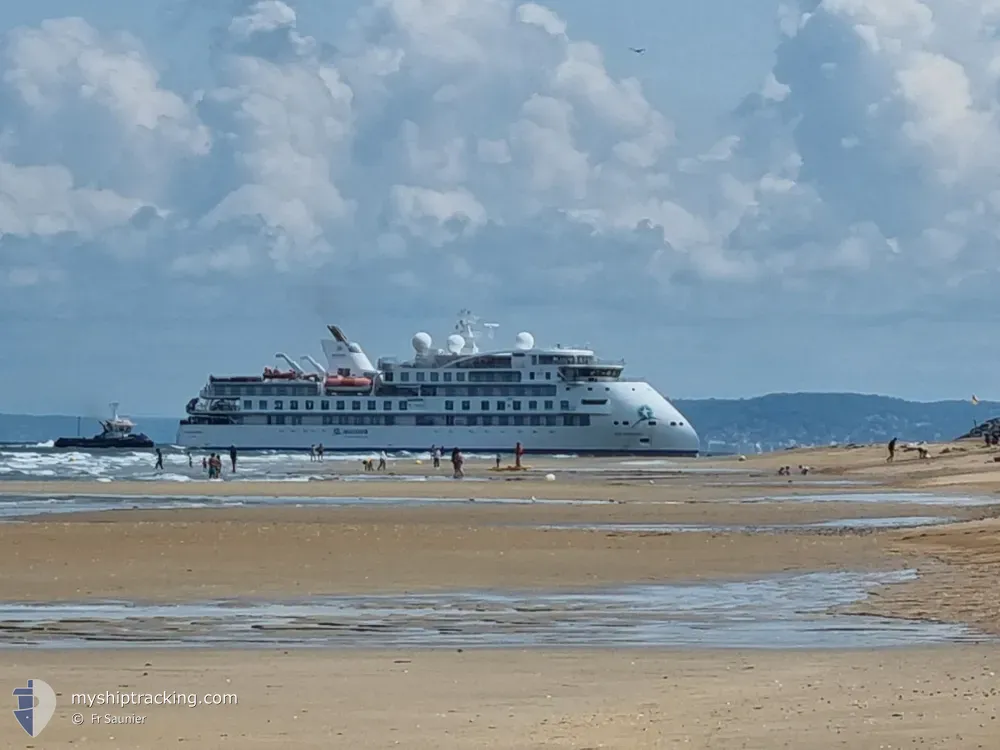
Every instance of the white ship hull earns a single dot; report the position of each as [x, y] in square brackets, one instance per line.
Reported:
[593, 440]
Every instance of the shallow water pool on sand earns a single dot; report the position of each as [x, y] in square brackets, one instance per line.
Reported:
[911, 498]
[787, 611]
[843, 524]
[16, 506]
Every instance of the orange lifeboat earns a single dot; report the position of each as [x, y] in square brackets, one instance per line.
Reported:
[341, 381]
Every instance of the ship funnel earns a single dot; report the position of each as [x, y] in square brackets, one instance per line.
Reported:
[291, 363]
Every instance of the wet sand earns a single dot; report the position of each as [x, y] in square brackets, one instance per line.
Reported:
[937, 697]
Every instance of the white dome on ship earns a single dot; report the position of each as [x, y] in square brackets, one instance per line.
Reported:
[455, 343]
[524, 341]
[421, 341]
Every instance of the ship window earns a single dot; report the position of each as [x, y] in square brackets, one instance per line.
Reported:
[279, 418]
[535, 421]
[569, 420]
[517, 406]
[643, 440]
[550, 421]
[357, 419]
[324, 406]
[279, 405]
[487, 420]
[248, 404]
[340, 405]
[584, 420]
[466, 405]
[327, 419]
[503, 421]
[447, 377]
[548, 404]
[282, 390]
[390, 419]
[296, 420]
[371, 406]
[449, 405]
[548, 376]
[484, 405]
[449, 420]
[518, 421]
[387, 406]
[434, 377]
[594, 401]
[403, 406]
[651, 423]
[532, 405]
[564, 405]
[501, 406]
[310, 405]
[355, 406]
[420, 377]
[531, 375]
[293, 404]
[459, 377]
[262, 405]
[387, 377]
[404, 377]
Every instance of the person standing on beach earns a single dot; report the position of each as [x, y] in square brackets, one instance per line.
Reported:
[436, 456]
[892, 451]
[159, 459]
[232, 456]
[518, 452]
[319, 452]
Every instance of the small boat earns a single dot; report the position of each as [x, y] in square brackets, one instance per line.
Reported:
[116, 433]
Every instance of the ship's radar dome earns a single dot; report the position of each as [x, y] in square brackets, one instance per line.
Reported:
[455, 343]
[524, 341]
[421, 342]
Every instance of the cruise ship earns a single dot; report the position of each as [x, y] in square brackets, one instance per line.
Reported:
[549, 399]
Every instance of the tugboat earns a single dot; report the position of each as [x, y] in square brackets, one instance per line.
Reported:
[116, 433]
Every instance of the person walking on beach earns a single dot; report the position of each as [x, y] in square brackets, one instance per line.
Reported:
[232, 456]
[892, 451]
[319, 452]
[381, 460]
[436, 455]
[159, 459]
[457, 459]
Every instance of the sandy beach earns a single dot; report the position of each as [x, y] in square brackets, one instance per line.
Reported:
[325, 540]
[944, 698]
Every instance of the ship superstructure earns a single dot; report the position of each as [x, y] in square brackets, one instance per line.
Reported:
[550, 399]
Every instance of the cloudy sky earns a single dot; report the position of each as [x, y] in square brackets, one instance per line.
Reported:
[778, 195]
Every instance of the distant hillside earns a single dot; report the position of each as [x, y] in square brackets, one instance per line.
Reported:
[775, 421]
[780, 420]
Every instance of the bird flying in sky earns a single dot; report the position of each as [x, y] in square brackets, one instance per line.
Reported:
[638, 50]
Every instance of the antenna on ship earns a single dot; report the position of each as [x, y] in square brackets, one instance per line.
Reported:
[465, 327]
